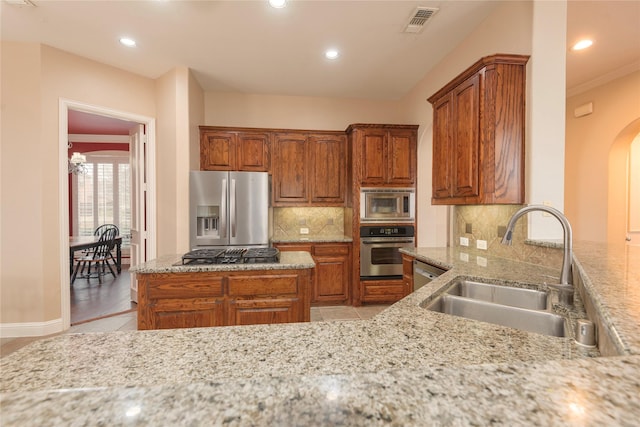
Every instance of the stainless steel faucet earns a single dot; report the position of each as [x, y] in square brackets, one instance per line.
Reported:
[565, 277]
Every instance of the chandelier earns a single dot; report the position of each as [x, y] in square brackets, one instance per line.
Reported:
[77, 163]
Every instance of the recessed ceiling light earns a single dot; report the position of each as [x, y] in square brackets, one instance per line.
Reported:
[331, 54]
[582, 44]
[278, 4]
[128, 42]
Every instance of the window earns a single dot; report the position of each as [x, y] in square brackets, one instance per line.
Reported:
[103, 194]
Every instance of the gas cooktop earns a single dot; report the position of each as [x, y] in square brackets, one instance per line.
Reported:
[231, 256]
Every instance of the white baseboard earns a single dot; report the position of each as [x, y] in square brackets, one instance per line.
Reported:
[30, 329]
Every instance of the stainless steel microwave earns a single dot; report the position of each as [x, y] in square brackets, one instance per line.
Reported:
[387, 204]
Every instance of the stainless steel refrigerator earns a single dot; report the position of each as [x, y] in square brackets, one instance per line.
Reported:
[229, 209]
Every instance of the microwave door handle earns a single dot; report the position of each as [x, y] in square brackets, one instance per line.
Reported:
[232, 208]
[223, 214]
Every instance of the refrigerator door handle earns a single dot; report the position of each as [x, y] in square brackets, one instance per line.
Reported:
[232, 208]
[223, 213]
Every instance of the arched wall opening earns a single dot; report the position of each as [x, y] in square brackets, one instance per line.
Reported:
[618, 196]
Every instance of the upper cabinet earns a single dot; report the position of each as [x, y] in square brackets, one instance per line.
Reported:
[478, 134]
[309, 169]
[384, 155]
[328, 164]
[224, 149]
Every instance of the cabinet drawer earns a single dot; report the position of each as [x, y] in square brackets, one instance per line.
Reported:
[331, 250]
[263, 285]
[183, 285]
[293, 247]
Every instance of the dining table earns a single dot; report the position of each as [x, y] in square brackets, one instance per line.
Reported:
[78, 243]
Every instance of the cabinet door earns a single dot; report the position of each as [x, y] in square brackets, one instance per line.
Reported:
[333, 273]
[442, 147]
[186, 313]
[327, 169]
[407, 273]
[466, 121]
[217, 151]
[290, 172]
[264, 311]
[253, 152]
[382, 291]
[401, 155]
[373, 161]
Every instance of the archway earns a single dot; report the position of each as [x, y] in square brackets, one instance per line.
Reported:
[618, 186]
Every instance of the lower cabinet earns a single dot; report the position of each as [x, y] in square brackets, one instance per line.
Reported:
[202, 299]
[260, 299]
[186, 313]
[332, 278]
[263, 311]
[407, 273]
[382, 291]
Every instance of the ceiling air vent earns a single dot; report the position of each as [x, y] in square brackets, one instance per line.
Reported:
[419, 19]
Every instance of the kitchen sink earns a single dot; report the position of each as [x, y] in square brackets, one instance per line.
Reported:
[541, 322]
[505, 295]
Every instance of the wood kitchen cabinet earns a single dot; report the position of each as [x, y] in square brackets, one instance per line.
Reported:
[478, 134]
[309, 169]
[385, 155]
[234, 149]
[332, 278]
[180, 301]
[223, 298]
[264, 299]
[407, 273]
[382, 291]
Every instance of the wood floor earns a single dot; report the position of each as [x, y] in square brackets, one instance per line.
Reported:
[92, 300]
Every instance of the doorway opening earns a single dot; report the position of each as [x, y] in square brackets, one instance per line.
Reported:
[623, 212]
[116, 180]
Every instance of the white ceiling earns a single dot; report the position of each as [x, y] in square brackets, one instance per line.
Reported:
[249, 47]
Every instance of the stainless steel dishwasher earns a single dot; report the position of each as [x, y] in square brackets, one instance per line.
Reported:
[424, 273]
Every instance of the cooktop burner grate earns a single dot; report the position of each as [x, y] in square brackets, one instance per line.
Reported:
[231, 256]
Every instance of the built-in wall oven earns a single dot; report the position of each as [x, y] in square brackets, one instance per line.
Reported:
[387, 205]
[380, 257]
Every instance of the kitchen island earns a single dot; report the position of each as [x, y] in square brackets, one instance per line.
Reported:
[172, 294]
[406, 366]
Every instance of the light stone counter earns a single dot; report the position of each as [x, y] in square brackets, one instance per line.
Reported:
[173, 264]
[406, 366]
[312, 238]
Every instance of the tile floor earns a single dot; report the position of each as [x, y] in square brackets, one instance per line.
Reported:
[128, 322]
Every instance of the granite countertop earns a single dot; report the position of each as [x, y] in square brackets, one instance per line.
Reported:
[173, 264]
[312, 238]
[406, 366]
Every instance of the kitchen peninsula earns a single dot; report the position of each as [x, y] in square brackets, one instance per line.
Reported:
[175, 294]
[405, 366]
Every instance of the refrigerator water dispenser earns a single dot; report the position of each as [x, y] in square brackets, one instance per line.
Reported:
[208, 218]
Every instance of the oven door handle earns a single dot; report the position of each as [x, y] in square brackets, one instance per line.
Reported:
[375, 242]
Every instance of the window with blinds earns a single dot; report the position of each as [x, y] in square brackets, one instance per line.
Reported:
[103, 194]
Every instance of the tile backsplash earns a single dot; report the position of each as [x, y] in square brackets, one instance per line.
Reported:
[324, 221]
[482, 222]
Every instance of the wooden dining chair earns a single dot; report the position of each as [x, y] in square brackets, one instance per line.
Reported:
[101, 229]
[99, 256]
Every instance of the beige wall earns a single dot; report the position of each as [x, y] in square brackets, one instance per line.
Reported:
[34, 79]
[22, 288]
[180, 111]
[515, 22]
[590, 141]
[297, 112]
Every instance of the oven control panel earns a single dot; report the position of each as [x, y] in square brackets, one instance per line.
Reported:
[396, 231]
